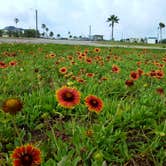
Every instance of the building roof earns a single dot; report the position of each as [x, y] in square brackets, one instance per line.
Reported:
[12, 28]
[98, 35]
[152, 38]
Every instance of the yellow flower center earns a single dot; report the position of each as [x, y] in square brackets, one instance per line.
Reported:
[11, 102]
[68, 95]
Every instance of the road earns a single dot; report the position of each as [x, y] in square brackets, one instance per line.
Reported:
[70, 42]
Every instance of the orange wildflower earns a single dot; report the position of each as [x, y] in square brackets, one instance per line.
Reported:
[68, 97]
[13, 63]
[134, 75]
[140, 71]
[52, 55]
[115, 69]
[94, 103]
[3, 65]
[160, 91]
[97, 50]
[129, 82]
[159, 74]
[89, 60]
[26, 155]
[90, 74]
[63, 70]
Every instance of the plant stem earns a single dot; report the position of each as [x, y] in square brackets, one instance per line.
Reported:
[16, 129]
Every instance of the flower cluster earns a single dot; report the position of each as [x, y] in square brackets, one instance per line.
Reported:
[69, 97]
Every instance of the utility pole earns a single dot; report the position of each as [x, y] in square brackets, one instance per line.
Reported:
[90, 28]
[36, 14]
[158, 34]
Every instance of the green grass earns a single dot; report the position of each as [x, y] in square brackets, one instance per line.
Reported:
[131, 128]
[159, 45]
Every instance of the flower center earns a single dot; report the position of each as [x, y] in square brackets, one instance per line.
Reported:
[94, 103]
[68, 96]
[26, 160]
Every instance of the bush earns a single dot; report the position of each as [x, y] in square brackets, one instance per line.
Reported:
[31, 33]
[163, 41]
[1, 32]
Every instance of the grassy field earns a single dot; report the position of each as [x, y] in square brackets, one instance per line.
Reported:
[160, 45]
[124, 125]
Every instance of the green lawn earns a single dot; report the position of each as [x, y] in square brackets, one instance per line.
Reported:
[129, 130]
[160, 45]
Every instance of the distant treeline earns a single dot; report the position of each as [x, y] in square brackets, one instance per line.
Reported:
[23, 33]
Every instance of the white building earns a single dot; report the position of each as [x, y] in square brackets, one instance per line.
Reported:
[97, 37]
[152, 40]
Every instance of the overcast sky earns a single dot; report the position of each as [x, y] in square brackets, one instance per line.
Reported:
[138, 18]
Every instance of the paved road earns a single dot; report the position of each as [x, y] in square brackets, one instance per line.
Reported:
[70, 42]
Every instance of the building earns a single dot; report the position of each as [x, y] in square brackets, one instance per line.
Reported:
[97, 37]
[10, 30]
[152, 40]
[133, 40]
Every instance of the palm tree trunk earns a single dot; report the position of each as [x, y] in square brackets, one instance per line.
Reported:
[160, 34]
[112, 32]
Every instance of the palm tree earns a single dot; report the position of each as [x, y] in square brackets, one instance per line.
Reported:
[112, 20]
[47, 31]
[43, 26]
[161, 26]
[16, 20]
[51, 34]
[58, 35]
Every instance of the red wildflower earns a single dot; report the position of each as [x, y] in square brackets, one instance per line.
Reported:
[140, 71]
[26, 155]
[115, 69]
[152, 73]
[89, 60]
[160, 91]
[164, 59]
[108, 57]
[63, 70]
[80, 80]
[159, 74]
[134, 75]
[57, 63]
[138, 63]
[83, 54]
[97, 50]
[103, 78]
[94, 103]
[68, 97]
[129, 82]
[70, 57]
[3, 65]
[73, 77]
[72, 63]
[80, 57]
[90, 74]
[12, 63]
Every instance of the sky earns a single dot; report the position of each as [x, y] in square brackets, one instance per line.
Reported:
[137, 18]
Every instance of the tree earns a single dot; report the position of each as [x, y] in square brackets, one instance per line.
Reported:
[161, 26]
[43, 26]
[1, 33]
[47, 31]
[51, 34]
[58, 35]
[70, 36]
[30, 33]
[112, 20]
[16, 20]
